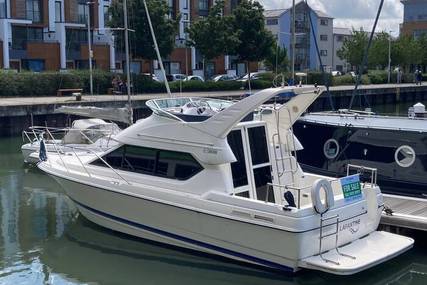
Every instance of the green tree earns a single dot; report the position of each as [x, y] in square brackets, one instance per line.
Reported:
[255, 41]
[277, 60]
[378, 53]
[354, 47]
[213, 35]
[141, 42]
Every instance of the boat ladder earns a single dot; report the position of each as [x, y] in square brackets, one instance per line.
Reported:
[323, 220]
[281, 156]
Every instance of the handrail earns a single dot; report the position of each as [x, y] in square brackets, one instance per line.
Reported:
[106, 163]
[57, 151]
[361, 170]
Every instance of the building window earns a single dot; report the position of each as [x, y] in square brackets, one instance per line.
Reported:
[3, 9]
[185, 6]
[106, 15]
[203, 7]
[33, 10]
[324, 38]
[340, 38]
[271, 22]
[82, 12]
[151, 161]
[35, 65]
[58, 11]
[419, 33]
[324, 22]
[75, 37]
[22, 35]
[323, 52]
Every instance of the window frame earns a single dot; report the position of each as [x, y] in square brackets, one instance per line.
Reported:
[60, 12]
[3, 12]
[160, 154]
[31, 14]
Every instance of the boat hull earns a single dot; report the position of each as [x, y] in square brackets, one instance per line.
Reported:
[370, 147]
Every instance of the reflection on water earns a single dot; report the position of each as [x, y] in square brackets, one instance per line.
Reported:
[43, 240]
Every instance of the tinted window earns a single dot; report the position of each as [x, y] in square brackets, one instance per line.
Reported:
[258, 142]
[162, 163]
[238, 168]
[262, 178]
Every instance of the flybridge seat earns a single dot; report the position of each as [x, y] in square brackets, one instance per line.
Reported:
[193, 109]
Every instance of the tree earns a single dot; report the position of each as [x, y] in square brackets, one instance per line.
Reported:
[378, 53]
[277, 60]
[214, 35]
[255, 41]
[141, 42]
[354, 47]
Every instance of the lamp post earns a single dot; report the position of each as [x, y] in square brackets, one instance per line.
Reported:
[293, 41]
[389, 57]
[184, 22]
[90, 51]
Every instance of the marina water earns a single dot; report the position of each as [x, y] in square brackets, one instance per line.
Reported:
[43, 240]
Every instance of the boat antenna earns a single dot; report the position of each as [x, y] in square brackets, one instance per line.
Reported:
[159, 58]
[365, 57]
[125, 15]
[322, 68]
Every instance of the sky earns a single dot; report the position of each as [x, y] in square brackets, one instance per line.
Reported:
[353, 13]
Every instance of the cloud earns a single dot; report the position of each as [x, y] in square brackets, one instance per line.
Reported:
[352, 13]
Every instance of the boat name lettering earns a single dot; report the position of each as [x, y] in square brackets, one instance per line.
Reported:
[353, 226]
[210, 150]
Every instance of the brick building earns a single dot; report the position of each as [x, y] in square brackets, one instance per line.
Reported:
[40, 35]
[414, 18]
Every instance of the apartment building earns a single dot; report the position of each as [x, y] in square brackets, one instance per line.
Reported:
[40, 35]
[279, 22]
[414, 18]
[340, 35]
[188, 60]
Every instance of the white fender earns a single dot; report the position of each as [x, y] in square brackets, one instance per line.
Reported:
[318, 185]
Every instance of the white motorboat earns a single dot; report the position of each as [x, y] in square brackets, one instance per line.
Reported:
[196, 175]
[84, 135]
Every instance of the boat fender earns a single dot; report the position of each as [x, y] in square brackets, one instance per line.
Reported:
[318, 185]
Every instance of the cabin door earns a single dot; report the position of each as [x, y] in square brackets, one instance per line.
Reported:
[252, 170]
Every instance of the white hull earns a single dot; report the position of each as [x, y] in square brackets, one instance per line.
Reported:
[242, 241]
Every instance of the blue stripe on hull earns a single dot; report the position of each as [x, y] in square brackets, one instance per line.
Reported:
[188, 240]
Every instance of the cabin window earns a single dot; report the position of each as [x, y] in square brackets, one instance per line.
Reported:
[405, 156]
[150, 161]
[262, 177]
[259, 148]
[238, 168]
[331, 148]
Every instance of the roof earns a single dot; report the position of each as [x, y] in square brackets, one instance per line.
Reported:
[274, 13]
[342, 31]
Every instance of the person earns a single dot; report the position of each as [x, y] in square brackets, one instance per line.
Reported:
[419, 77]
[399, 75]
[115, 84]
[416, 76]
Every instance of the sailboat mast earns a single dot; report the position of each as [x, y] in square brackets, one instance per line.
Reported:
[125, 15]
[293, 41]
[157, 50]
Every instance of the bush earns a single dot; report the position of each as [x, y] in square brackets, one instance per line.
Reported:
[343, 80]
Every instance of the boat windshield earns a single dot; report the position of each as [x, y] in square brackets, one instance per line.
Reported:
[190, 109]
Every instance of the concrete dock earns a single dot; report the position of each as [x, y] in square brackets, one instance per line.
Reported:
[17, 114]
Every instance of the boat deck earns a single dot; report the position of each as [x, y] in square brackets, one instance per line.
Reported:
[408, 212]
[364, 121]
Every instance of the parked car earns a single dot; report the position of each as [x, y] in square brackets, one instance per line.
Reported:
[175, 77]
[254, 76]
[152, 76]
[194, 78]
[336, 73]
[224, 77]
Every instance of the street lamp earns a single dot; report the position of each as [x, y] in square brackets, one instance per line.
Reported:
[389, 57]
[90, 51]
[186, 47]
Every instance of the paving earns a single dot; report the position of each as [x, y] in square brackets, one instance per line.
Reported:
[25, 101]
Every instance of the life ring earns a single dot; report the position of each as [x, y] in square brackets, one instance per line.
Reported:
[318, 185]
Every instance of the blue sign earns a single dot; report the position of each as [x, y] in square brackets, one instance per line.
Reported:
[351, 187]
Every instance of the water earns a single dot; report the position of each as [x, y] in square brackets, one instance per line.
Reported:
[43, 240]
